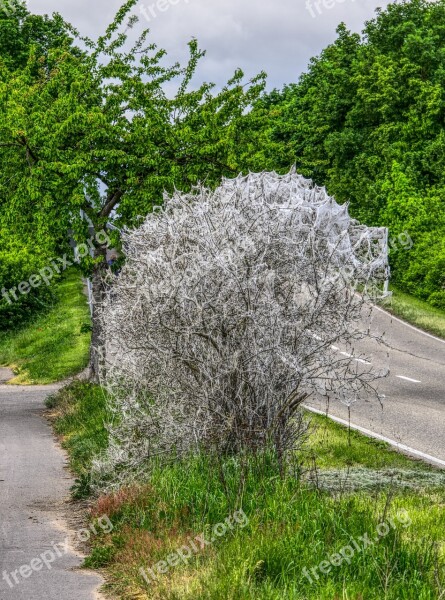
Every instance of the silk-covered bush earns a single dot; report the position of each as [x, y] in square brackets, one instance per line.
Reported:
[221, 322]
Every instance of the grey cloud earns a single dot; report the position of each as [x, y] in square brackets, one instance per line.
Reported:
[277, 36]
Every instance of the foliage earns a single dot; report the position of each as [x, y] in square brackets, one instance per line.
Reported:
[20, 31]
[105, 120]
[98, 132]
[367, 121]
[26, 249]
[17, 264]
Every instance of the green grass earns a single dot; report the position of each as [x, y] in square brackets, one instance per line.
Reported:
[78, 413]
[291, 525]
[51, 347]
[335, 448]
[415, 311]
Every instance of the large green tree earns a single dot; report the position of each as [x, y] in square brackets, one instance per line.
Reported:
[367, 120]
[20, 30]
[99, 132]
[26, 249]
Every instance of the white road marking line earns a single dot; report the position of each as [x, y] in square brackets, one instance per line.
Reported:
[410, 326]
[408, 379]
[377, 436]
[360, 360]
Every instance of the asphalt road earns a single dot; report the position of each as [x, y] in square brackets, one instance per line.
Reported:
[37, 561]
[413, 411]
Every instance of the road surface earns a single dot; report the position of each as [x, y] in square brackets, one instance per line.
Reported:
[37, 561]
[413, 411]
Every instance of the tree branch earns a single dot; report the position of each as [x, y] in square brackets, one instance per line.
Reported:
[112, 201]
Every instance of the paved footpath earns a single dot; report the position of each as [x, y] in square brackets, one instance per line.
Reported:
[36, 561]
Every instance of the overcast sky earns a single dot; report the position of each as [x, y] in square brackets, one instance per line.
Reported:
[278, 36]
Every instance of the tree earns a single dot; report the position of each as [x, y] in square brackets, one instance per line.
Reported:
[222, 321]
[97, 132]
[368, 106]
[20, 31]
[27, 249]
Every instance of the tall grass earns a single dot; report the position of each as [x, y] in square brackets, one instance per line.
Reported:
[291, 526]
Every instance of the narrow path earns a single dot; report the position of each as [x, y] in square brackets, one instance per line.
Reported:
[37, 561]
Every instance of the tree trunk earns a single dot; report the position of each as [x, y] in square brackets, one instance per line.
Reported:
[97, 351]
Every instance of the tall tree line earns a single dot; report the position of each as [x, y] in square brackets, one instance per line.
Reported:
[367, 121]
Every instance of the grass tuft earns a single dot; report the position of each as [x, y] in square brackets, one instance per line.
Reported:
[79, 413]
